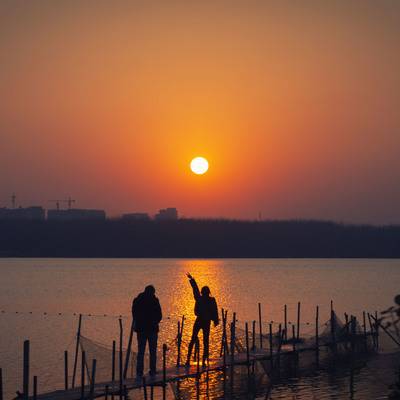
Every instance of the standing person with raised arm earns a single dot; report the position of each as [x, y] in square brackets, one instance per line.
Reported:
[206, 310]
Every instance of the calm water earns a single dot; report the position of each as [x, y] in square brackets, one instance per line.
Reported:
[39, 300]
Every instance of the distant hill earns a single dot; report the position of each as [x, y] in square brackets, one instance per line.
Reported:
[197, 238]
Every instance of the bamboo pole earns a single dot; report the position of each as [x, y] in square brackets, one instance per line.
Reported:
[285, 320]
[385, 330]
[377, 329]
[298, 320]
[128, 350]
[35, 387]
[371, 327]
[223, 333]
[279, 343]
[26, 370]
[164, 374]
[365, 332]
[113, 368]
[260, 324]
[333, 323]
[1, 385]
[317, 328]
[78, 338]
[66, 369]
[270, 346]
[179, 342]
[83, 363]
[93, 380]
[121, 333]
[247, 351]
[232, 354]
[226, 333]
[294, 339]
[253, 346]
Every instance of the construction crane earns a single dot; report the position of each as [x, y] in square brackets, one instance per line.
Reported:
[69, 201]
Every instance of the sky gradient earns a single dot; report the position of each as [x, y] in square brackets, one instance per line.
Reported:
[294, 104]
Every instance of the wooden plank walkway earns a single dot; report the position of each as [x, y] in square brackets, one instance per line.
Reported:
[172, 374]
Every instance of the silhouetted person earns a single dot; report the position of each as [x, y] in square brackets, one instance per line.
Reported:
[206, 310]
[146, 314]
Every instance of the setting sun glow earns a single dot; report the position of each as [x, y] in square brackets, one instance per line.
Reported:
[199, 165]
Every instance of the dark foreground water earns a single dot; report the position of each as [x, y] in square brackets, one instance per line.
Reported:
[40, 300]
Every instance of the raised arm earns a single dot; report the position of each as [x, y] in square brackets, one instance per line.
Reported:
[193, 283]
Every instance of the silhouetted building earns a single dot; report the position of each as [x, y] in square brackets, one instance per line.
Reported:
[167, 214]
[20, 213]
[135, 217]
[74, 214]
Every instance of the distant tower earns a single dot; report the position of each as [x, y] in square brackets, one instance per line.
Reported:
[13, 200]
[260, 216]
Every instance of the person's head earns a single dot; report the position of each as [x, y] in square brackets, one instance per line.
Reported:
[149, 290]
[205, 291]
[397, 299]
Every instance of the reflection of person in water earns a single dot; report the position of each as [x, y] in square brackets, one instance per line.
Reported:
[206, 310]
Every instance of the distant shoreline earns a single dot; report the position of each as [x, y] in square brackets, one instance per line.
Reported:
[187, 238]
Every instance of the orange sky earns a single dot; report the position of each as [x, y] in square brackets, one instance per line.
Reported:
[295, 105]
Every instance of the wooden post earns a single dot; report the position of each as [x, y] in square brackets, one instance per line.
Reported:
[179, 342]
[164, 381]
[128, 351]
[35, 388]
[121, 333]
[83, 366]
[26, 370]
[66, 369]
[298, 320]
[285, 320]
[1, 385]
[93, 380]
[78, 338]
[377, 329]
[247, 351]
[260, 324]
[253, 346]
[317, 329]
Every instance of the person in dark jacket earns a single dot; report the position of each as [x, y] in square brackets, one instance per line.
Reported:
[206, 310]
[146, 314]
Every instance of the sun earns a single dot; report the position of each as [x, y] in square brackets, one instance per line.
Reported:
[199, 165]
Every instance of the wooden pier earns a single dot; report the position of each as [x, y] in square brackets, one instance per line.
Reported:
[240, 347]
